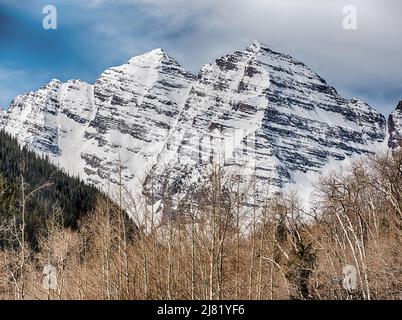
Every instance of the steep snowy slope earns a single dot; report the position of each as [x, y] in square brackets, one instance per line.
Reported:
[120, 122]
[258, 112]
[52, 120]
[395, 127]
[137, 105]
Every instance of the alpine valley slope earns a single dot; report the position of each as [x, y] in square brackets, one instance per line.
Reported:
[258, 112]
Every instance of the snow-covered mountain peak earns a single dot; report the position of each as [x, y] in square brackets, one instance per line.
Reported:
[54, 82]
[280, 119]
[156, 52]
[258, 112]
[257, 46]
[399, 106]
[153, 58]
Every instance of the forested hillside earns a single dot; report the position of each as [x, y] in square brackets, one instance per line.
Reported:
[29, 182]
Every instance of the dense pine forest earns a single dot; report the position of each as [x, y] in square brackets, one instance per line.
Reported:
[46, 189]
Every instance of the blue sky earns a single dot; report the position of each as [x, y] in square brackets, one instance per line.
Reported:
[95, 34]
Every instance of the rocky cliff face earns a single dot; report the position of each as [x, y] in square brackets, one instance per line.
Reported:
[395, 127]
[277, 117]
[257, 112]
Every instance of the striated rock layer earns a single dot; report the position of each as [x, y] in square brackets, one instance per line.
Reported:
[395, 127]
[257, 112]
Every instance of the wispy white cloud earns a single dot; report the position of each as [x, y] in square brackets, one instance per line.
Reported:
[365, 62]
[361, 62]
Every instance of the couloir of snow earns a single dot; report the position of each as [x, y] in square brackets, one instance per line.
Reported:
[259, 113]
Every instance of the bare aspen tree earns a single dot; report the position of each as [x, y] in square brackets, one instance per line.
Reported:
[253, 243]
[214, 241]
